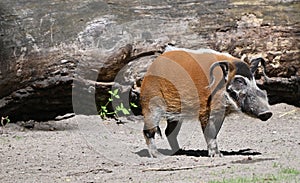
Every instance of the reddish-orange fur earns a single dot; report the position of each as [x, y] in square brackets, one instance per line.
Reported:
[181, 80]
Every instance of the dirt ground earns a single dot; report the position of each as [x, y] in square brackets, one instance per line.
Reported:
[87, 149]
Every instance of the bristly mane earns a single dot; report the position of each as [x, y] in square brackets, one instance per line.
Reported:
[198, 51]
[243, 69]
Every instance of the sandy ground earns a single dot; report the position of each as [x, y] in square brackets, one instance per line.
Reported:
[87, 149]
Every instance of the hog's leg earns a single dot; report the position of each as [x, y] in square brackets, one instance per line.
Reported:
[149, 136]
[211, 131]
[171, 132]
[151, 126]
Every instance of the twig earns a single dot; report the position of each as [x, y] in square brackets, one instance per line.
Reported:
[90, 171]
[287, 113]
[183, 168]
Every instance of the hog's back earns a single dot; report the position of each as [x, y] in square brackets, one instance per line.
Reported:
[179, 81]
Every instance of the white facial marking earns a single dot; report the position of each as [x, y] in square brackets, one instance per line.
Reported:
[251, 83]
[230, 101]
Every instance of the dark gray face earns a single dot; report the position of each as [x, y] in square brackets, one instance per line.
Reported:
[249, 98]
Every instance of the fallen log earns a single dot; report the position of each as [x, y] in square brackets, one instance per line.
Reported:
[282, 90]
[46, 96]
[48, 55]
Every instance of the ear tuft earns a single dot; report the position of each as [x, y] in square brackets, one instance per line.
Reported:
[255, 62]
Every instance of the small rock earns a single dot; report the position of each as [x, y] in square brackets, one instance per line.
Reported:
[91, 89]
[64, 61]
[19, 72]
[55, 72]
[28, 124]
[249, 21]
[66, 116]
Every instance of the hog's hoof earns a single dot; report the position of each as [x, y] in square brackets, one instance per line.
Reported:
[155, 154]
[214, 153]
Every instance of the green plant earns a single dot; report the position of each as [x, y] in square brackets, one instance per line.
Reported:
[290, 171]
[17, 137]
[4, 121]
[119, 108]
[284, 175]
[276, 165]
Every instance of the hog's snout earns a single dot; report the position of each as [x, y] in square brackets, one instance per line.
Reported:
[264, 116]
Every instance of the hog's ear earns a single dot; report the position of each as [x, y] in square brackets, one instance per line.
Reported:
[225, 66]
[254, 64]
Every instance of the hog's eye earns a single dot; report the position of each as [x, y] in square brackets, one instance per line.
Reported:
[240, 81]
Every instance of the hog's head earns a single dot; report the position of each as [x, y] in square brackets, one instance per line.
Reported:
[244, 92]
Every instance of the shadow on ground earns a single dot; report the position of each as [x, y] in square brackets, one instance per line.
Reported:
[199, 153]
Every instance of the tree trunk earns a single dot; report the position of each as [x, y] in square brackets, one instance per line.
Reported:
[63, 56]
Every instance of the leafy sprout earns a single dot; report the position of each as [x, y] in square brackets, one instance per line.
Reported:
[4, 121]
[104, 112]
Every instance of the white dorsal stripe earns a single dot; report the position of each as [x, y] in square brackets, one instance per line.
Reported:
[198, 51]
